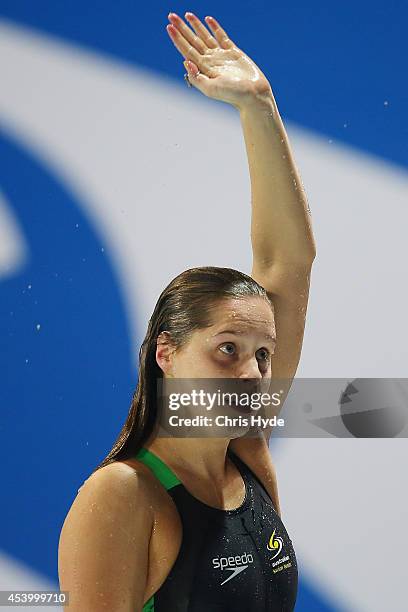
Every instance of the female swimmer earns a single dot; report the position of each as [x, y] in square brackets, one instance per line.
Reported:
[192, 523]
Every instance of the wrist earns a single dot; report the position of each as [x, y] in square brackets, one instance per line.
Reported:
[259, 102]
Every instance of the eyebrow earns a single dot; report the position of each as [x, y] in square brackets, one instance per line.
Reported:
[236, 333]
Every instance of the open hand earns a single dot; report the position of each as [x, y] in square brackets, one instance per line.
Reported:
[215, 65]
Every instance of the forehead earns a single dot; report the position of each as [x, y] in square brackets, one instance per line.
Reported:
[244, 313]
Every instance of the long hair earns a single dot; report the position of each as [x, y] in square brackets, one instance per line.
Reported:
[185, 305]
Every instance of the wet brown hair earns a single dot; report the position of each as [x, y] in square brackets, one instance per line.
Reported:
[185, 305]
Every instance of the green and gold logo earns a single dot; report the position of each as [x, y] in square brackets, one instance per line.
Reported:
[275, 544]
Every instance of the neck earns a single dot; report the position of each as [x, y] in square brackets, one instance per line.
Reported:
[203, 458]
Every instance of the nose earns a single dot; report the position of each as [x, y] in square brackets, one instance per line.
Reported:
[250, 370]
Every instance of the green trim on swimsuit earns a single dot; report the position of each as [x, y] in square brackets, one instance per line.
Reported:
[162, 471]
[149, 605]
[168, 479]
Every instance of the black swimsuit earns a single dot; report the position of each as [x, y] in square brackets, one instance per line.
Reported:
[239, 560]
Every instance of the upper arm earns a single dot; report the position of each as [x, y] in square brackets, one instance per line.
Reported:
[288, 288]
[104, 542]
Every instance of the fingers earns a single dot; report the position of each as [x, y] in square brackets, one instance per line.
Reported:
[195, 41]
[192, 47]
[196, 46]
[201, 30]
[186, 49]
[219, 33]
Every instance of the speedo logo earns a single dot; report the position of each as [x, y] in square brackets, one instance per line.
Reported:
[235, 565]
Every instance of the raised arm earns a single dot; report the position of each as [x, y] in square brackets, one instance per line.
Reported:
[283, 252]
[281, 232]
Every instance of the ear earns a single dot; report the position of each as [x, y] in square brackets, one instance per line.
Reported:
[164, 353]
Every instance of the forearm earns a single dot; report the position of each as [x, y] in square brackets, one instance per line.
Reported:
[280, 222]
[254, 452]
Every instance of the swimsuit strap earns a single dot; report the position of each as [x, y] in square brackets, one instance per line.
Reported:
[162, 471]
[167, 478]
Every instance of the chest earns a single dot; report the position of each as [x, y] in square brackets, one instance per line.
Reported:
[207, 558]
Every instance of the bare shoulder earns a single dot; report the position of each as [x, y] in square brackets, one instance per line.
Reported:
[104, 541]
[155, 493]
[116, 473]
[115, 484]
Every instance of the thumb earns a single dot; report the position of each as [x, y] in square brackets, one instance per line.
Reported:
[198, 79]
[191, 68]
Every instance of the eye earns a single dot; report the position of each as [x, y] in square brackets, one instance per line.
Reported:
[266, 355]
[230, 344]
